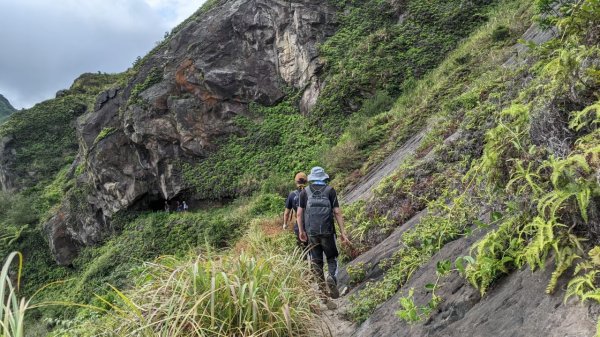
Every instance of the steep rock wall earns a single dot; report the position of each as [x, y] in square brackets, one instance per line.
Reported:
[182, 101]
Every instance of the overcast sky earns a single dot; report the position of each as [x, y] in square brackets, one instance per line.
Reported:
[46, 44]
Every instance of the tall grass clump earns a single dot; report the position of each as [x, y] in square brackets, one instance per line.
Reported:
[258, 292]
[12, 309]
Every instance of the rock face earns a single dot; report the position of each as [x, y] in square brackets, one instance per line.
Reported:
[6, 176]
[516, 306]
[181, 100]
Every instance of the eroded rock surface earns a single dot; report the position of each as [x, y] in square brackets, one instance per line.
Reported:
[516, 306]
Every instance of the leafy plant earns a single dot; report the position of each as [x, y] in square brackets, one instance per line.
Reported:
[12, 309]
[357, 272]
[105, 132]
[413, 313]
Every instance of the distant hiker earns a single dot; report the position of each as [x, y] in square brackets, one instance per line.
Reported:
[167, 207]
[184, 206]
[317, 209]
[291, 206]
[178, 206]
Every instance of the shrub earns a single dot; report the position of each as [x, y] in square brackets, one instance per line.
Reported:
[500, 33]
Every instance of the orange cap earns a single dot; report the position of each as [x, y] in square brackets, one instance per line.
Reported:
[300, 178]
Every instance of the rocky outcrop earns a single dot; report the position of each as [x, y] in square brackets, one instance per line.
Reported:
[183, 99]
[7, 178]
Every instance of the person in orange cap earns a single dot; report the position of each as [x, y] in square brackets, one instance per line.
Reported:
[291, 206]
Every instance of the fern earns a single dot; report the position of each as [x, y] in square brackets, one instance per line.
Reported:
[543, 240]
[590, 116]
[525, 177]
[565, 258]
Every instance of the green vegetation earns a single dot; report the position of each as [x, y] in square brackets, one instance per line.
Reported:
[155, 75]
[43, 137]
[104, 133]
[410, 311]
[373, 50]
[138, 238]
[441, 225]
[451, 107]
[265, 157]
[12, 308]
[41, 150]
[261, 291]
[542, 188]
[443, 93]
[559, 188]
[356, 272]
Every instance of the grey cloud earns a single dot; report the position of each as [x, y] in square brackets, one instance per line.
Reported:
[44, 48]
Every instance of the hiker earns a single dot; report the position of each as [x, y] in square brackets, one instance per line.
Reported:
[291, 207]
[316, 211]
[184, 206]
[167, 207]
[177, 206]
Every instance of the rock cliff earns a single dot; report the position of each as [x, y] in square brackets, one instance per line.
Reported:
[181, 101]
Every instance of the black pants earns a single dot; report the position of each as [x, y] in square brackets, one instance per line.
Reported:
[301, 244]
[319, 245]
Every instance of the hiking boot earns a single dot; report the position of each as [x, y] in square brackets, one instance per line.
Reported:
[332, 287]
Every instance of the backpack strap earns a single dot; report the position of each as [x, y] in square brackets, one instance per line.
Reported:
[326, 192]
[309, 192]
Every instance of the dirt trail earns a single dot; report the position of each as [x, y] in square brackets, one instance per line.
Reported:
[363, 189]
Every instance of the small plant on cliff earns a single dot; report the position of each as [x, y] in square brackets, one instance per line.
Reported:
[155, 75]
[357, 272]
[411, 312]
[105, 132]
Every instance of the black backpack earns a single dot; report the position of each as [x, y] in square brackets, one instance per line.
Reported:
[318, 215]
[296, 200]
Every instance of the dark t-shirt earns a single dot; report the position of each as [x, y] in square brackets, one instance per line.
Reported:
[291, 202]
[332, 196]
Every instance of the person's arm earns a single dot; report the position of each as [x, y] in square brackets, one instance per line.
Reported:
[287, 217]
[287, 214]
[302, 233]
[337, 213]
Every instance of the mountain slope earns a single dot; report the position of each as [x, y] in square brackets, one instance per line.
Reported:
[496, 215]
[469, 155]
[214, 123]
[6, 109]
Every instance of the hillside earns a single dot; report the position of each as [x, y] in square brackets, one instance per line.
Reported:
[6, 109]
[461, 135]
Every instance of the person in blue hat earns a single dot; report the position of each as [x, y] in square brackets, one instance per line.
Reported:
[317, 209]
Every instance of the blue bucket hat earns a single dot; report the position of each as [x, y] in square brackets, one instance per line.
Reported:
[317, 173]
